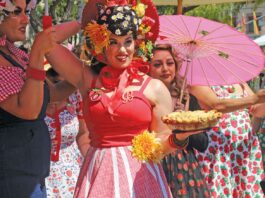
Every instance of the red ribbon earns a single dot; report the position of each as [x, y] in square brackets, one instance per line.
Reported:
[111, 3]
[56, 141]
[118, 80]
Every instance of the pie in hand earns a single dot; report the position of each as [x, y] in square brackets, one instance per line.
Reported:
[192, 120]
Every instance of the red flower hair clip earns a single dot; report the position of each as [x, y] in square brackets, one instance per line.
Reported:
[116, 2]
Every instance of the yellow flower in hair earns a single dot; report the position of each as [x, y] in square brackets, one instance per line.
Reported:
[98, 35]
[140, 9]
[144, 28]
[135, 21]
[146, 147]
[142, 46]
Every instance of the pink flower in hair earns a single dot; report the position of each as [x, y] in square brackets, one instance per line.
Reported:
[5, 5]
[32, 4]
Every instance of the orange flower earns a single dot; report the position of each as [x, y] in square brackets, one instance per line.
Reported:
[99, 36]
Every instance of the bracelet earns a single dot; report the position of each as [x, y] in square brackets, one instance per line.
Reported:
[177, 144]
[36, 74]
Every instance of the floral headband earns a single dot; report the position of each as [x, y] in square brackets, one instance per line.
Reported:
[7, 6]
[120, 18]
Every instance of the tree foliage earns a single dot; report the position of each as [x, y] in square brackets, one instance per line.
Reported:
[258, 3]
[218, 12]
[60, 10]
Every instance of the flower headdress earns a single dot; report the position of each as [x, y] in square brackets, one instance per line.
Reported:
[120, 18]
[7, 6]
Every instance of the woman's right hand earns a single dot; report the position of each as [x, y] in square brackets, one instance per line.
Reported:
[43, 44]
[44, 41]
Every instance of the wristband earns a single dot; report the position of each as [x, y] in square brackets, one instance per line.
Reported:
[36, 74]
[177, 144]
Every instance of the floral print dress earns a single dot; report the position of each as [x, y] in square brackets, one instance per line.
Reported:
[261, 134]
[232, 163]
[181, 168]
[64, 172]
[184, 175]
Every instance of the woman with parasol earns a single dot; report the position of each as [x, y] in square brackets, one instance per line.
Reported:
[181, 168]
[215, 54]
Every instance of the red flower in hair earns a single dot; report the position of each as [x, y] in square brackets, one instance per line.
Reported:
[116, 2]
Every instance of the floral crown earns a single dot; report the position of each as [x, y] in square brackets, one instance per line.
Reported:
[7, 6]
[120, 18]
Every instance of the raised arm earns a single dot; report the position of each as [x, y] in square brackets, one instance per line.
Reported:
[208, 99]
[66, 30]
[68, 65]
[28, 102]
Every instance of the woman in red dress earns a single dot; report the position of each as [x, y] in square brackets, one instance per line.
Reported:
[119, 104]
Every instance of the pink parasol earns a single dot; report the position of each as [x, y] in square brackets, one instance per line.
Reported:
[213, 53]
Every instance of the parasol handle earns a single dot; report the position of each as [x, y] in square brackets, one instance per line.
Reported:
[46, 19]
[46, 22]
[183, 87]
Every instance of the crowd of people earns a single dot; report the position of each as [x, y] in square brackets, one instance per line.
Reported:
[68, 132]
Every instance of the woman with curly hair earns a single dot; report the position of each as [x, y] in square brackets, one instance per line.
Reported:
[181, 168]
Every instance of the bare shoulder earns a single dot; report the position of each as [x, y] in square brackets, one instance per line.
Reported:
[156, 91]
[155, 86]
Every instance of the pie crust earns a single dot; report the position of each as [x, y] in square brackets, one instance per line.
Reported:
[192, 120]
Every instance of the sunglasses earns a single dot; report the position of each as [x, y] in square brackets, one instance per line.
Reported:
[17, 12]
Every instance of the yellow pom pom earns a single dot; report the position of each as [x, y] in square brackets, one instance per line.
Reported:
[146, 147]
